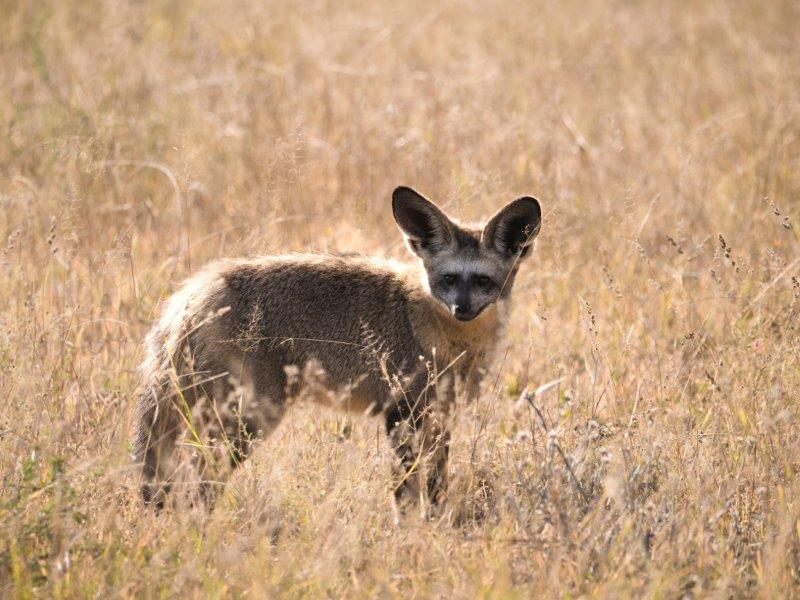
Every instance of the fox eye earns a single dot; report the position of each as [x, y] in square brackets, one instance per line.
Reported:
[483, 281]
[448, 279]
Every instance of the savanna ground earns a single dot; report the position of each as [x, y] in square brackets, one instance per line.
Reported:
[140, 140]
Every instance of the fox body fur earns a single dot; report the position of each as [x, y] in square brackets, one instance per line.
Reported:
[242, 338]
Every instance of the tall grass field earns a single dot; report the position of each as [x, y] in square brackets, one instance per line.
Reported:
[638, 433]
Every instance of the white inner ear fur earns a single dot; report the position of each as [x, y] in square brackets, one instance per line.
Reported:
[440, 227]
[438, 230]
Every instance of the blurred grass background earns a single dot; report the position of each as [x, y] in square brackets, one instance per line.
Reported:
[142, 139]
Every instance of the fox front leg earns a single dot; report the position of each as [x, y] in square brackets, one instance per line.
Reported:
[472, 376]
[406, 481]
[421, 476]
[437, 451]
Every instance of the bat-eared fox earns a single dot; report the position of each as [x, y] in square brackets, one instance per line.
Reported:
[243, 338]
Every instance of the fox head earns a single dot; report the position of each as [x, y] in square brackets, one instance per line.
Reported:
[468, 268]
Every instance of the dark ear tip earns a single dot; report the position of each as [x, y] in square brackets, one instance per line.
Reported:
[404, 197]
[401, 192]
[530, 203]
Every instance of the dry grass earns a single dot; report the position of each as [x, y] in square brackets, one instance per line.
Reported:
[141, 140]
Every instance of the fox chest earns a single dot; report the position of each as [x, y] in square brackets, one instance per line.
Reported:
[457, 344]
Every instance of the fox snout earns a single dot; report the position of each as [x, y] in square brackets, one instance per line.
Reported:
[461, 306]
[463, 309]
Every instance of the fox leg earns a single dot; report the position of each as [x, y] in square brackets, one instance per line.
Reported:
[436, 438]
[247, 409]
[415, 425]
[197, 434]
[161, 413]
[402, 433]
[244, 431]
[438, 451]
[154, 444]
[422, 447]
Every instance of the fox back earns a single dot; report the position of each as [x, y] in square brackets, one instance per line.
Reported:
[243, 337]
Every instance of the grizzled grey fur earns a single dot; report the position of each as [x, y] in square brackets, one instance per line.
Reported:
[241, 338]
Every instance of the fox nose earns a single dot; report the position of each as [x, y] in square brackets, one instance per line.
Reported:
[460, 310]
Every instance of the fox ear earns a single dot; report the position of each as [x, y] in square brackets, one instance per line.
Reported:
[513, 229]
[427, 228]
